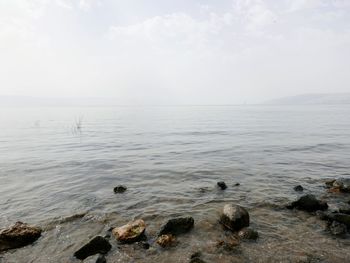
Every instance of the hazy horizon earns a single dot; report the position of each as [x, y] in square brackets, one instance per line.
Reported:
[183, 52]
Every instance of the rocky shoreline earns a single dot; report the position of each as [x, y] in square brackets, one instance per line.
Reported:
[234, 219]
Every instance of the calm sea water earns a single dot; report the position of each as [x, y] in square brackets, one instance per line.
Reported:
[170, 158]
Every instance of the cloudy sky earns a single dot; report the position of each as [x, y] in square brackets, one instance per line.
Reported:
[174, 52]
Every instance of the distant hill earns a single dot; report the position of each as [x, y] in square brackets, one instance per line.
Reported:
[312, 99]
[26, 101]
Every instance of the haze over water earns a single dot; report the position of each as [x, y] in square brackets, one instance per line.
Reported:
[170, 158]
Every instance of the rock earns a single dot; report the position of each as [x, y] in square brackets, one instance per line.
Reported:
[337, 229]
[177, 226]
[343, 184]
[18, 235]
[166, 240]
[95, 259]
[237, 184]
[119, 189]
[144, 244]
[248, 233]
[97, 245]
[299, 188]
[228, 245]
[329, 183]
[234, 217]
[344, 209]
[131, 232]
[339, 185]
[308, 203]
[196, 258]
[341, 218]
[222, 185]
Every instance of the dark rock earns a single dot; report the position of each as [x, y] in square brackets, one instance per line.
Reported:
[341, 218]
[95, 259]
[197, 254]
[131, 232]
[119, 189]
[166, 240]
[323, 215]
[196, 258]
[344, 209]
[234, 217]
[309, 203]
[177, 226]
[98, 245]
[18, 235]
[329, 183]
[222, 185]
[337, 229]
[248, 233]
[237, 184]
[144, 244]
[299, 188]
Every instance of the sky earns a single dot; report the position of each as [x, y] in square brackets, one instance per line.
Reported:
[174, 52]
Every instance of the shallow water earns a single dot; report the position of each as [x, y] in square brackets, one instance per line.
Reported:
[170, 158]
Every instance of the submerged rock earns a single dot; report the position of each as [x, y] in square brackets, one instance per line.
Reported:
[337, 229]
[308, 203]
[131, 232]
[18, 235]
[97, 245]
[234, 217]
[144, 244]
[298, 188]
[228, 245]
[119, 189]
[95, 259]
[341, 218]
[344, 209]
[196, 258]
[177, 226]
[166, 240]
[222, 185]
[248, 233]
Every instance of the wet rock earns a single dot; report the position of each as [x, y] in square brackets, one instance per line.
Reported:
[341, 218]
[18, 235]
[344, 209]
[298, 188]
[228, 245]
[97, 245]
[343, 184]
[166, 240]
[144, 244]
[339, 185]
[308, 203]
[131, 232]
[119, 189]
[177, 226]
[248, 233]
[337, 229]
[234, 217]
[222, 185]
[95, 259]
[329, 183]
[196, 258]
